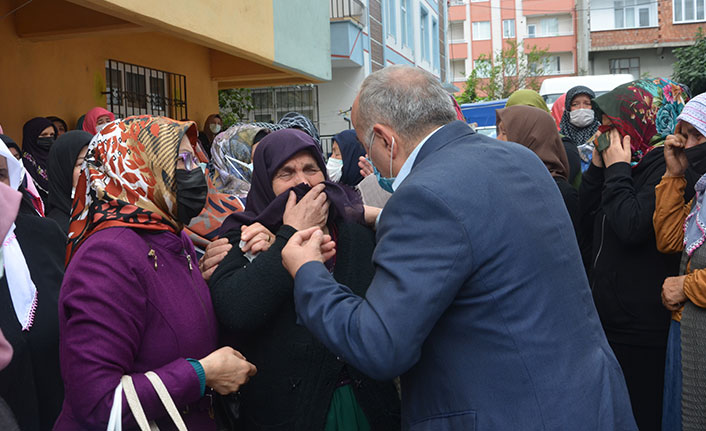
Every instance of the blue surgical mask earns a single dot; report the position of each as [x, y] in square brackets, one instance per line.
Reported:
[384, 182]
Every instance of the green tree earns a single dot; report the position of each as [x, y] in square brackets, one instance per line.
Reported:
[508, 72]
[235, 105]
[690, 67]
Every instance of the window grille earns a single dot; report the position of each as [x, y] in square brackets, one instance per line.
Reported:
[138, 90]
[270, 104]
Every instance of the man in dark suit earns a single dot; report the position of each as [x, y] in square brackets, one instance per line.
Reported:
[479, 301]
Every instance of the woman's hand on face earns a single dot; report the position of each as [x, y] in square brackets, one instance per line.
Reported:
[257, 238]
[618, 151]
[226, 370]
[310, 211]
[366, 168]
[215, 253]
[674, 154]
[596, 158]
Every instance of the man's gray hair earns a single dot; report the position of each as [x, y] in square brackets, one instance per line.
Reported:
[407, 99]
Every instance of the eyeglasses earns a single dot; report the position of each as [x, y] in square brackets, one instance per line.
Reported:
[190, 160]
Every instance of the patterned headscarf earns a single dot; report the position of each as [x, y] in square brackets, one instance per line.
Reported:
[646, 110]
[128, 178]
[230, 156]
[694, 113]
[578, 135]
[295, 120]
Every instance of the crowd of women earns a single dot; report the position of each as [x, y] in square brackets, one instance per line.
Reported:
[142, 245]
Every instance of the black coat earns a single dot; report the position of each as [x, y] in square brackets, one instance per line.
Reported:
[31, 384]
[572, 155]
[297, 375]
[626, 270]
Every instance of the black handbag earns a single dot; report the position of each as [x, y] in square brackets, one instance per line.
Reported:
[226, 410]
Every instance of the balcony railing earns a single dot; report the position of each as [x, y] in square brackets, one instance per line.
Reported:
[348, 9]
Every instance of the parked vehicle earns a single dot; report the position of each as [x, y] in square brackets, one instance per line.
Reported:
[481, 115]
[553, 88]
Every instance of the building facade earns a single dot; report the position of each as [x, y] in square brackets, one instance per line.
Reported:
[639, 36]
[367, 35]
[480, 28]
[139, 57]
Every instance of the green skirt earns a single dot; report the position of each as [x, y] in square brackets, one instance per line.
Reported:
[345, 414]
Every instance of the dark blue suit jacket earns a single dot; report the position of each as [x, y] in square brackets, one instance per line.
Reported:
[479, 301]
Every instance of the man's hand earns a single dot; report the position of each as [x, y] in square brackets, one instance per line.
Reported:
[674, 154]
[366, 168]
[215, 253]
[307, 246]
[617, 151]
[257, 238]
[310, 211]
[673, 296]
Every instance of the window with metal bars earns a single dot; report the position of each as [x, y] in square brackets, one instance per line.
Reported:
[138, 90]
[270, 104]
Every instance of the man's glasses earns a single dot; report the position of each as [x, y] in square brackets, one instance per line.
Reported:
[190, 160]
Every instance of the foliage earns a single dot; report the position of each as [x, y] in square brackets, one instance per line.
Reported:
[508, 72]
[235, 105]
[690, 67]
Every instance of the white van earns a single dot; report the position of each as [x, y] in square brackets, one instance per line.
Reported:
[553, 88]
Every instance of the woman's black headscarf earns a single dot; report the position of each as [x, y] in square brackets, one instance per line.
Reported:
[263, 206]
[34, 155]
[61, 162]
[578, 135]
[351, 150]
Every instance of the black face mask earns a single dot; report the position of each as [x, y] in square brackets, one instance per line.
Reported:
[45, 143]
[191, 193]
[697, 158]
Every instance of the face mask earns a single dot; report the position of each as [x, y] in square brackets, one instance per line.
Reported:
[191, 194]
[334, 168]
[215, 128]
[384, 182]
[45, 143]
[697, 158]
[100, 127]
[73, 192]
[582, 117]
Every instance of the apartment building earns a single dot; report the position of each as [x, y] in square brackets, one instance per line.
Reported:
[481, 27]
[639, 36]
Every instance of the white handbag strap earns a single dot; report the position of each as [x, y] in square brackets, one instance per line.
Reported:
[115, 422]
[166, 400]
[134, 402]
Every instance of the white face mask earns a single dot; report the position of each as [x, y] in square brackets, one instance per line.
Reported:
[73, 192]
[215, 128]
[100, 127]
[582, 117]
[334, 168]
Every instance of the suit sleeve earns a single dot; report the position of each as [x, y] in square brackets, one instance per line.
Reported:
[105, 306]
[628, 210]
[422, 259]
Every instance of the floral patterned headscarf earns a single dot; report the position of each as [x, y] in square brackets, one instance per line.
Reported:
[128, 178]
[230, 157]
[646, 110]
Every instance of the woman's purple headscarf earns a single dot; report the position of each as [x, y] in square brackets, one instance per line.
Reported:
[263, 206]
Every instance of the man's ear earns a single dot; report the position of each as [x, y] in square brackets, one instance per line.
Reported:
[385, 134]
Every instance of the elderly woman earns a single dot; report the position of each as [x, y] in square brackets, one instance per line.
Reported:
[96, 119]
[33, 265]
[342, 166]
[679, 228]
[300, 384]
[65, 159]
[133, 299]
[534, 128]
[579, 123]
[617, 200]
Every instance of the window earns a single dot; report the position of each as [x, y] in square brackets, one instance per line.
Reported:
[481, 30]
[458, 70]
[424, 33]
[270, 104]
[510, 66]
[552, 65]
[139, 90]
[476, 1]
[482, 68]
[531, 30]
[550, 27]
[625, 65]
[689, 10]
[456, 31]
[508, 28]
[435, 42]
[391, 19]
[403, 22]
[636, 13]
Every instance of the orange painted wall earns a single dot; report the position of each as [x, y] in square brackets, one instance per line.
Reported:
[457, 13]
[458, 50]
[65, 77]
[553, 44]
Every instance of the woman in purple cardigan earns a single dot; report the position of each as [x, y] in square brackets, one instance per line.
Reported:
[133, 299]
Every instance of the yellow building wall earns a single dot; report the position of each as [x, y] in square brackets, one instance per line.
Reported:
[65, 77]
